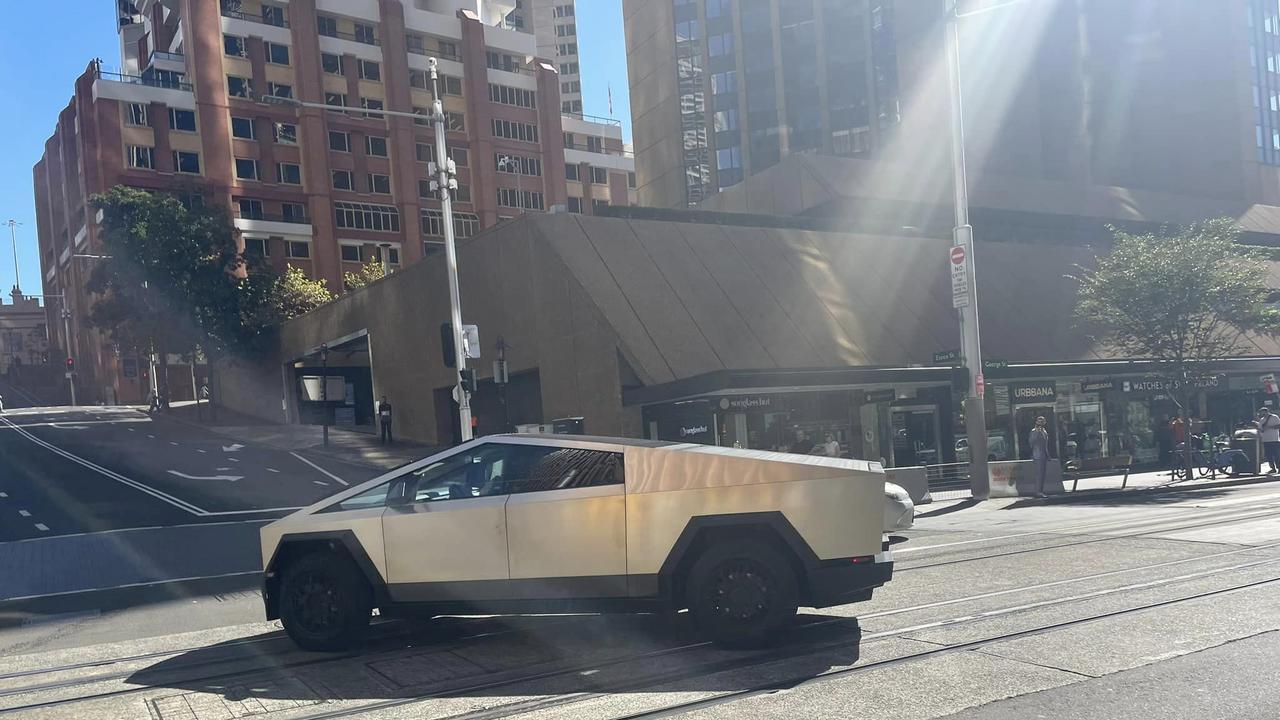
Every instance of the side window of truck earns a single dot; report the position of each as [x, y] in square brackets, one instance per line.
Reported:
[532, 468]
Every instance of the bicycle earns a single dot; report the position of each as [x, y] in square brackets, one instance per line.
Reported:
[1224, 459]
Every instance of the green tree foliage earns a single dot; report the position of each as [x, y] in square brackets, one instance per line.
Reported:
[173, 279]
[371, 272]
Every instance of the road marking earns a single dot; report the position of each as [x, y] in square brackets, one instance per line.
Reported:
[173, 443]
[42, 527]
[61, 426]
[148, 528]
[24, 513]
[234, 459]
[158, 494]
[340, 481]
[136, 584]
[4, 495]
[229, 478]
[252, 512]
[222, 469]
[132, 429]
[272, 470]
[153, 437]
[320, 482]
[233, 447]
[202, 452]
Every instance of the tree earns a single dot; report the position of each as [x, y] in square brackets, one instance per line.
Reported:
[1182, 298]
[371, 272]
[173, 279]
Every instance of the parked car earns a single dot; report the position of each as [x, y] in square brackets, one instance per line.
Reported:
[520, 524]
[899, 510]
[997, 449]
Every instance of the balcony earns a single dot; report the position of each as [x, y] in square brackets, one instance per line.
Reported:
[231, 12]
[353, 37]
[171, 61]
[243, 214]
[441, 54]
[155, 82]
[593, 119]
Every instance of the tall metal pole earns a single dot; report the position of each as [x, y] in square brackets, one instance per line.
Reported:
[66, 333]
[450, 255]
[975, 415]
[324, 390]
[13, 234]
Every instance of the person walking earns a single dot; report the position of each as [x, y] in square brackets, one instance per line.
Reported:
[1269, 434]
[384, 420]
[1039, 442]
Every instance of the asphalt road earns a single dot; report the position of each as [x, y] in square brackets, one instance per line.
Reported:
[1143, 607]
[84, 470]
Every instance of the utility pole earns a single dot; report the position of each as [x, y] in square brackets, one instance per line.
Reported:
[445, 170]
[13, 234]
[324, 389]
[975, 414]
[71, 363]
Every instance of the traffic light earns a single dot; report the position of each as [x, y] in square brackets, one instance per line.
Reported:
[446, 345]
[468, 377]
[71, 365]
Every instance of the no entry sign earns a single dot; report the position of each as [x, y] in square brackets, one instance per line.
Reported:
[959, 277]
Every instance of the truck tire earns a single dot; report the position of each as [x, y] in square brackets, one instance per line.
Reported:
[325, 602]
[742, 594]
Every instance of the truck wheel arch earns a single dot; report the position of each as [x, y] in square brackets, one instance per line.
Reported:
[340, 542]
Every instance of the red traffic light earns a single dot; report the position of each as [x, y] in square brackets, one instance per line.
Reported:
[71, 364]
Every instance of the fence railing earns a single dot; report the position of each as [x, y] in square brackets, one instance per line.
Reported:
[148, 81]
[948, 480]
[442, 54]
[593, 118]
[352, 37]
[241, 15]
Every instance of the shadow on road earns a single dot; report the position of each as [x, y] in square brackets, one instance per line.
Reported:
[957, 507]
[1127, 498]
[497, 657]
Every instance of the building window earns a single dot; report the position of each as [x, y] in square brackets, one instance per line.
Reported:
[597, 205]
[257, 247]
[331, 63]
[289, 173]
[571, 172]
[276, 53]
[327, 26]
[725, 82]
[379, 183]
[571, 106]
[526, 199]
[242, 127]
[516, 165]
[375, 145]
[350, 253]
[459, 155]
[571, 87]
[516, 97]
[631, 180]
[718, 45]
[524, 132]
[141, 157]
[293, 212]
[364, 216]
[561, 11]
[569, 142]
[718, 8]
[339, 99]
[465, 225]
[366, 34]
[250, 209]
[286, 133]
[566, 49]
[369, 70]
[246, 168]
[234, 46]
[574, 205]
[425, 113]
[502, 61]
[182, 120]
[569, 68]
[339, 141]
[566, 30]
[240, 87]
[432, 222]
[414, 43]
[417, 79]
[424, 189]
[297, 249]
[599, 176]
[186, 162]
[455, 121]
[137, 114]
[342, 179]
[595, 144]
[273, 15]
[462, 193]
[452, 85]
[371, 104]
[448, 49]
[423, 152]
[279, 90]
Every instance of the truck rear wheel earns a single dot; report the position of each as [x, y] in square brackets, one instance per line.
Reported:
[742, 594]
[325, 603]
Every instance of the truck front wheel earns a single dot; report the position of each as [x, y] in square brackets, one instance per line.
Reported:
[325, 603]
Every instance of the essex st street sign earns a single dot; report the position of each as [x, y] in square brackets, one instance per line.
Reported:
[946, 357]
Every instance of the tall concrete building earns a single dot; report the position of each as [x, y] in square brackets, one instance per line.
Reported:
[1145, 110]
[554, 23]
[323, 190]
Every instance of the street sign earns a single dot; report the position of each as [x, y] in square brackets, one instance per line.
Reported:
[994, 364]
[959, 277]
[946, 357]
[471, 341]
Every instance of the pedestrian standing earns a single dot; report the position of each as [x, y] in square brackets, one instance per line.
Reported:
[1039, 442]
[831, 448]
[384, 420]
[1269, 434]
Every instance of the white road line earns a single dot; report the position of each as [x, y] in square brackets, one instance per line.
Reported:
[272, 470]
[252, 512]
[4, 495]
[173, 443]
[320, 482]
[132, 429]
[339, 480]
[24, 513]
[137, 584]
[153, 437]
[202, 452]
[223, 469]
[42, 527]
[158, 494]
[234, 459]
[146, 527]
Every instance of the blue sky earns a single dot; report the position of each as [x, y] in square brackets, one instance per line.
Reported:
[38, 82]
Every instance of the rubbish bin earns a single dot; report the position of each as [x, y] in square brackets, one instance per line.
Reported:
[1247, 441]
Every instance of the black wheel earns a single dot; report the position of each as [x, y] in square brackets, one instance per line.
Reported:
[325, 603]
[742, 593]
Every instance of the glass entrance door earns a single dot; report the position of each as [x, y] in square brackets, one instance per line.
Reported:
[915, 435]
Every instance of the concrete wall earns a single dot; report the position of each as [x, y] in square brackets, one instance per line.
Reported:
[512, 286]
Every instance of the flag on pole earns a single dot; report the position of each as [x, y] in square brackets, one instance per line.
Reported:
[610, 100]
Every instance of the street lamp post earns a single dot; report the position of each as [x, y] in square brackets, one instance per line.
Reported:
[975, 414]
[444, 170]
[324, 390]
[66, 333]
[13, 234]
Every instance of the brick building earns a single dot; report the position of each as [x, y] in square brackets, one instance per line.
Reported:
[319, 189]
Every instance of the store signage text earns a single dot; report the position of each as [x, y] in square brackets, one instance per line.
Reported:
[1097, 385]
[695, 430]
[1033, 391]
[1160, 385]
[745, 403]
[876, 396]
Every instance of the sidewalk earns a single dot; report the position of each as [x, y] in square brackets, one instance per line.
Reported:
[345, 445]
[1108, 486]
